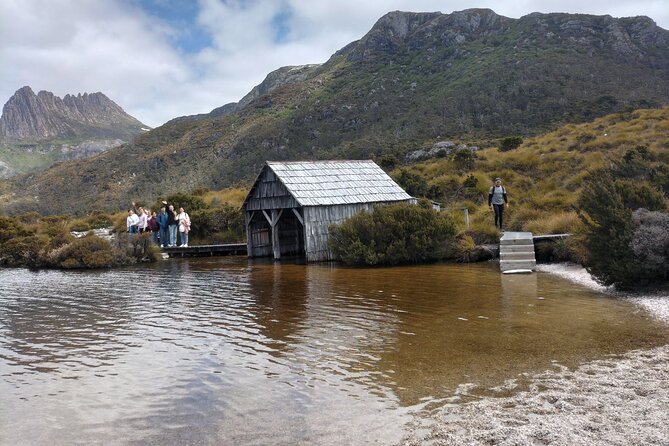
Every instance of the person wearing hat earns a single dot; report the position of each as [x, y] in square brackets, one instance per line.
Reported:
[497, 199]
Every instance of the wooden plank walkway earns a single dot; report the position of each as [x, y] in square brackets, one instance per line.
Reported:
[230, 249]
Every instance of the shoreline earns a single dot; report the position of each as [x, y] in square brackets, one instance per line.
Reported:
[617, 400]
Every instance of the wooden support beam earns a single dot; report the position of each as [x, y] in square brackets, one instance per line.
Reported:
[278, 216]
[269, 219]
[299, 217]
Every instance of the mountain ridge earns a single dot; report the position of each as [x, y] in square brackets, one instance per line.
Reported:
[45, 116]
[38, 130]
[415, 78]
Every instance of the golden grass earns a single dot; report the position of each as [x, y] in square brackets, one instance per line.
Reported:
[545, 174]
[233, 196]
[560, 223]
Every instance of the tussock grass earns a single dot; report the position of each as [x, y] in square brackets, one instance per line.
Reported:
[545, 175]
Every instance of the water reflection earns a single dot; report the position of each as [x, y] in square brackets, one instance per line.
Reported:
[231, 351]
[47, 330]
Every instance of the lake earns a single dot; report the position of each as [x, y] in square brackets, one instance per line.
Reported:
[232, 351]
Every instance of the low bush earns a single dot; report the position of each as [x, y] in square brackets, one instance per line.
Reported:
[650, 243]
[510, 143]
[11, 228]
[190, 202]
[391, 235]
[414, 184]
[608, 205]
[224, 224]
[96, 219]
[90, 252]
[22, 251]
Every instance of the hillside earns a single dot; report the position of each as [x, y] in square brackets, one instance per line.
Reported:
[544, 176]
[415, 78]
[38, 130]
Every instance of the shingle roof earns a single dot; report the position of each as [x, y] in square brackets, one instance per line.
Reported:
[316, 183]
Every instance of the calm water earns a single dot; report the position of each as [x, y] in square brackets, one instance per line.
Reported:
[223, 351]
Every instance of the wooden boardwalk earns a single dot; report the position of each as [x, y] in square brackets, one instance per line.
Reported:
[230, 249]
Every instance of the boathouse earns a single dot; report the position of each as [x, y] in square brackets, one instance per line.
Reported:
[291, 204]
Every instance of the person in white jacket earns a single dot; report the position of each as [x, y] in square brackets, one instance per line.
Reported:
[132, 223]
[184, 227]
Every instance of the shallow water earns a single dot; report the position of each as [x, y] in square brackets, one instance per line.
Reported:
[226, 351]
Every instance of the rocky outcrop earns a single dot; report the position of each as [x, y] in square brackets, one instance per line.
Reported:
[44, 116]
[439, 149]
[6, 171]
[275, 79]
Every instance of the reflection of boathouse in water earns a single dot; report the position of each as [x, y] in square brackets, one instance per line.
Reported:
[291, 204]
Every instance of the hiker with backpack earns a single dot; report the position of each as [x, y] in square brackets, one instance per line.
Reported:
[497, 199]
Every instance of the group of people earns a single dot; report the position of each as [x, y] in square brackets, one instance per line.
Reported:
[162, 226]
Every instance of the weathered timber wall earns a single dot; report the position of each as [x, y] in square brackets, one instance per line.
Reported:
[259, 236]
[269, 193]
[317, 219]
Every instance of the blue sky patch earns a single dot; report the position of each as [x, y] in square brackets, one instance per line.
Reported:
[181, 16]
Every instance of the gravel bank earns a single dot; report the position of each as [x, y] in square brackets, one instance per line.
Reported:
[621, 400]
[617, 401]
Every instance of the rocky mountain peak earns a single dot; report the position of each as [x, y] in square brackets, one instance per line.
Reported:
[44, 116]
[401, 32]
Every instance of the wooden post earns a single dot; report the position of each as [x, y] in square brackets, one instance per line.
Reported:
[276, 246]
[249, 239]
[467, 218]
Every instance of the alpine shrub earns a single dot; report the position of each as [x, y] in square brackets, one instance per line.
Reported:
[391, 235]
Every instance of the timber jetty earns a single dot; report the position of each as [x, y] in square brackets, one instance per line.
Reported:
[230, 249]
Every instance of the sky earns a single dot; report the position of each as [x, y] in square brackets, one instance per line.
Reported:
[160, 59]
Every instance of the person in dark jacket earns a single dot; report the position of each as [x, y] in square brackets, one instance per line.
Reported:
[497, 199]
[153, 227]
[171, 224]
[163, 226]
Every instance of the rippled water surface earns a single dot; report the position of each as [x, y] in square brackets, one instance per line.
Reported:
[226, 351]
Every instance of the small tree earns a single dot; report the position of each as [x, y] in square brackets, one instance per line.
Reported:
[608, 204]
[412, 183]
[389, 162]
[464, 160]
[510, 143]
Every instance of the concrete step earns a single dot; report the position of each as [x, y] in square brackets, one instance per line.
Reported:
[516, 248]
[517, 242]
[506, 265]
[516, 238]
[517, 255]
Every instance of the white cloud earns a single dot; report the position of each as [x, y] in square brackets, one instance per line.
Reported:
[70, 46]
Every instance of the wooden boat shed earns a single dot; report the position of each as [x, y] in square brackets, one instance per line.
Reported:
[291, 204]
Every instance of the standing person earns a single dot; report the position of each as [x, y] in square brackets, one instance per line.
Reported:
[132, 223]
[164, 229]
[153, 226]
[497, 199]
[142, 220]
[171, 224]
[184, 227]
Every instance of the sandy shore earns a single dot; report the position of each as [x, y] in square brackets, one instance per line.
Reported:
[622, 400]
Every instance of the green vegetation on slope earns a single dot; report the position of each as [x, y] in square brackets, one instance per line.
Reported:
[412, 80]
[545, 175]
